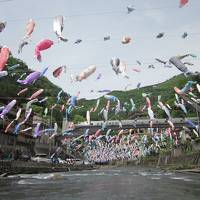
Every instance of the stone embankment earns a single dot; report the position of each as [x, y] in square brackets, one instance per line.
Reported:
[21, 167]
[176, 159]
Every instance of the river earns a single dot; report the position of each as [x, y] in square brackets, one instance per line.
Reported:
[104, 184]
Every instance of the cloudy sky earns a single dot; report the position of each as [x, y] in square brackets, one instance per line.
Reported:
[91, 20]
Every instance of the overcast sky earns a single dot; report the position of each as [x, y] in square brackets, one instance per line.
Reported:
[91, 20]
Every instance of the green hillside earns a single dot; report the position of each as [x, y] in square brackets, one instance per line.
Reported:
[164, 89]
[10, 88]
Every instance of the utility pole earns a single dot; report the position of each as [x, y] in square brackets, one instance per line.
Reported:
[198, 117]
[51, 118]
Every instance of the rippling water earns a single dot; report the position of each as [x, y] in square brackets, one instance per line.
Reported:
[117, 183]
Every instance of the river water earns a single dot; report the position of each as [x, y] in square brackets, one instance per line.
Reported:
[104, 184]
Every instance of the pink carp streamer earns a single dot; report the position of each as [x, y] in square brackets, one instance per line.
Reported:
[36, 94]
[43, 45]
[86, 73]
[136, 69]
[57, 72]
[4, 55]
[29, 28]
[183, 3]
[126, 40]
[22, 91]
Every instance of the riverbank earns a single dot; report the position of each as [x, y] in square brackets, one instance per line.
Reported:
[29, 167]
[174, 160]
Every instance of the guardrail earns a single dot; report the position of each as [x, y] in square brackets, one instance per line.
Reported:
[131, 122]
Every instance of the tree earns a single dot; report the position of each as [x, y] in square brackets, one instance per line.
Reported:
[78, 118]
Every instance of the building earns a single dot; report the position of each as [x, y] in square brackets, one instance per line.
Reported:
[12, 146]
[44, 145]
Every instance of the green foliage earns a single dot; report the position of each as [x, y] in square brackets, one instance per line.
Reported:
[78, 118]
[10, 88]
[37, 109]
[165, 89]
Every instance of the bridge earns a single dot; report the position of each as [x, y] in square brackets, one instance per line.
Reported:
[142, 123]
[131, 124]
